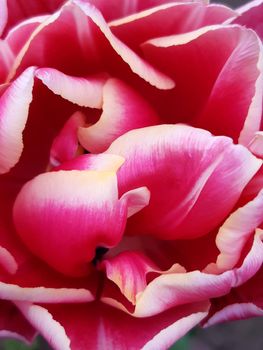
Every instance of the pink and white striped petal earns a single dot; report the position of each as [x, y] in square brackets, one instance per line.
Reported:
[233, 312]
[14, 325]
[65, 145]
[233, 73]
[168, 19]
[236, 232]
[112, 329]
[185, 169]
[123, 110]
[128, 270]
[82, 202]
[85, 92]
[256, 145]
[80, 35]
[7, 59]
[42, 320]
[116, 9]
[14, 107]
[185, 288]
[44, 295]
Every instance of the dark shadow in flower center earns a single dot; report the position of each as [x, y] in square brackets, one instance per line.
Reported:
[99, 253]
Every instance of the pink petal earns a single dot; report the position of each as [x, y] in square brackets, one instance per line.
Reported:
[233, 73]
[3, 15]
[86, 92]
[185, 170]
[235, 233]
[65, 145]
[89, 48]
[234, 312]
[256, 144]
[21, 9]
[92, 209]
[18, 36]
[7, 261]
[128, 270]
[251, 15]
[111, 329]
[167, 19]
[14, 106]
[185, 288]
[115, 9]
[97, 162]
[44, 295]
[123, 110]
[43, 321]
[6, 60]
[13, 324]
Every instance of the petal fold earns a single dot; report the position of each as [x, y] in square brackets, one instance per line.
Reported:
[184, 169]
[83, 205]
[86, 92]
[13, 116]
[123, 110]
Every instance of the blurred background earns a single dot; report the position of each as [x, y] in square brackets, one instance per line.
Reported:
[239, 335]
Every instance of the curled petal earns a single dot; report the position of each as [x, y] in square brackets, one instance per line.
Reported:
[185, 169]
[116, 9]
[82, 202]
[14, 325]
[168, 19]
[85, 28]
[256, 144]
[234, 312]
[44, 295]
[128, 270]
[111, 329]
[184, 288]
[233, 73]
[43, 321]
[65, 145]
[86, 92]
[235, 233]
[123, 110]
[7, 261]
[14, 106]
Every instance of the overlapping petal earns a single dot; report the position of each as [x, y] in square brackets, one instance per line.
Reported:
[21, 9]
[13, 324]
[13, 116]
[185, 288]
[82, 37]
[232, 59]
[236, 232]
[112, 330]
[184, 169]
[86, 92]
[123, 110]
[168, 19]
[92, 210]
[251, 15]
